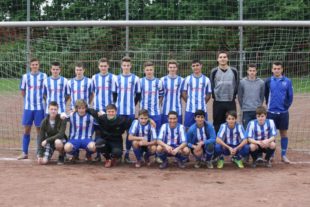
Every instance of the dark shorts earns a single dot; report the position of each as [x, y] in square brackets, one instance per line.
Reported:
[281, 120]
[157, 120]
[33, 116]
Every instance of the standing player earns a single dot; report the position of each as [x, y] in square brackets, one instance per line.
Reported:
[143, 137]
[55, 88]
[279, 98]
[172, 141]
[81, 131]
[31, 87]
[126, 95]
[52, 135]
[231, 140]
[201, 139]
[172, 84]
[224, 81]
[151, 94]
[250, 94]
[196, 93]
[261, 134]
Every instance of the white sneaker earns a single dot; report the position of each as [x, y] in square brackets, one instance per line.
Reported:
[285, 160]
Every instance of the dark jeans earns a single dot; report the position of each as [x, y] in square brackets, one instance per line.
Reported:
[248, 116]
[220, 108]
[109, 149]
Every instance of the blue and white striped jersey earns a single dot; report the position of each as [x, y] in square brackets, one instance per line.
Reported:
[261, 132]
[197, 88]
[146, 131]
[172, 136]
[81, 127]
[231, 136]
[103, 90]
[126, 86]
[151, 90]
[32, 84]
[172, 88]
[79, 89]
[56, 90]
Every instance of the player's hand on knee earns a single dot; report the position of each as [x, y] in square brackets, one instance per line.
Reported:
[43, 144]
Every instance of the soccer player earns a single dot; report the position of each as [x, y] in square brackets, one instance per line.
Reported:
[31, 87]
[279, 98]
[261, 134]
[55, 88]
[81, 131]
[52, 135]
[172, 141]
[196, 93]
[201, 140]
[172, 89]
[224, 81]
[143, 137]
[231, 140]
[250, 94]
[80, 87]
[126, 95]
[112, 126]
[151, 93]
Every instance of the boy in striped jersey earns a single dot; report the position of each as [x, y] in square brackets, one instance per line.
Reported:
[172, 86]
[31, 87]
[172, 141]
[126, 95]
[231, 140]
[196, 93]
[55, 88]
[151, 94]
[201, 140]
[261, 135]
[81, 131]
[80, 87]
[143, 137]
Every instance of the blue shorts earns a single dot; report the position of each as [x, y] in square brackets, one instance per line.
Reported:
[190, 118]
[79, 144]
[30, 116]
[164, 119]
[157, 120]
[281, 120]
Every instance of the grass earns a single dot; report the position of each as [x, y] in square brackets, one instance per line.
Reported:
[9, 85]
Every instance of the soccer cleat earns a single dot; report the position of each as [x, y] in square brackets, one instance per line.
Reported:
[254, 164]
[127, 159]
[61, 160]
[238, 163]
[197, 164]
[108, 163]
[246, 159]
[138, 164]
[260, 160]
[209, 164]
[22, 156]
[181, 164]
[147, 160]
[220, 164]
[158, 160]
[269, 164]
[285, 160]
[163, 165]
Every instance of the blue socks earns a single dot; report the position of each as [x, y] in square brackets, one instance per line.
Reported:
[128, 145]
[137, 152]
[284, 144]
[162, 156]
[25, 144]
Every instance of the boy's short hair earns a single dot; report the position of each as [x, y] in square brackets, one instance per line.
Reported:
[56, 64]
[79, 65]
[200, 113]
[34, 60]
[172, 62]
[53, 103]
[143, 112]
[172, 113]
[232, 113]
[103, 60]
[277, 63]
[80, 103]
[126, 59]
[252, 65]
[111, 107]
[222, 52]
[148, 63]
[196, 61]
[261, 110]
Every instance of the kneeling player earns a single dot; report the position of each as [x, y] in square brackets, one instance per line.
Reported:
[231, 140]
[143, 137]
[52, 135]
[172, 141]
[201, 139]
[261, 135]
[81, 131]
